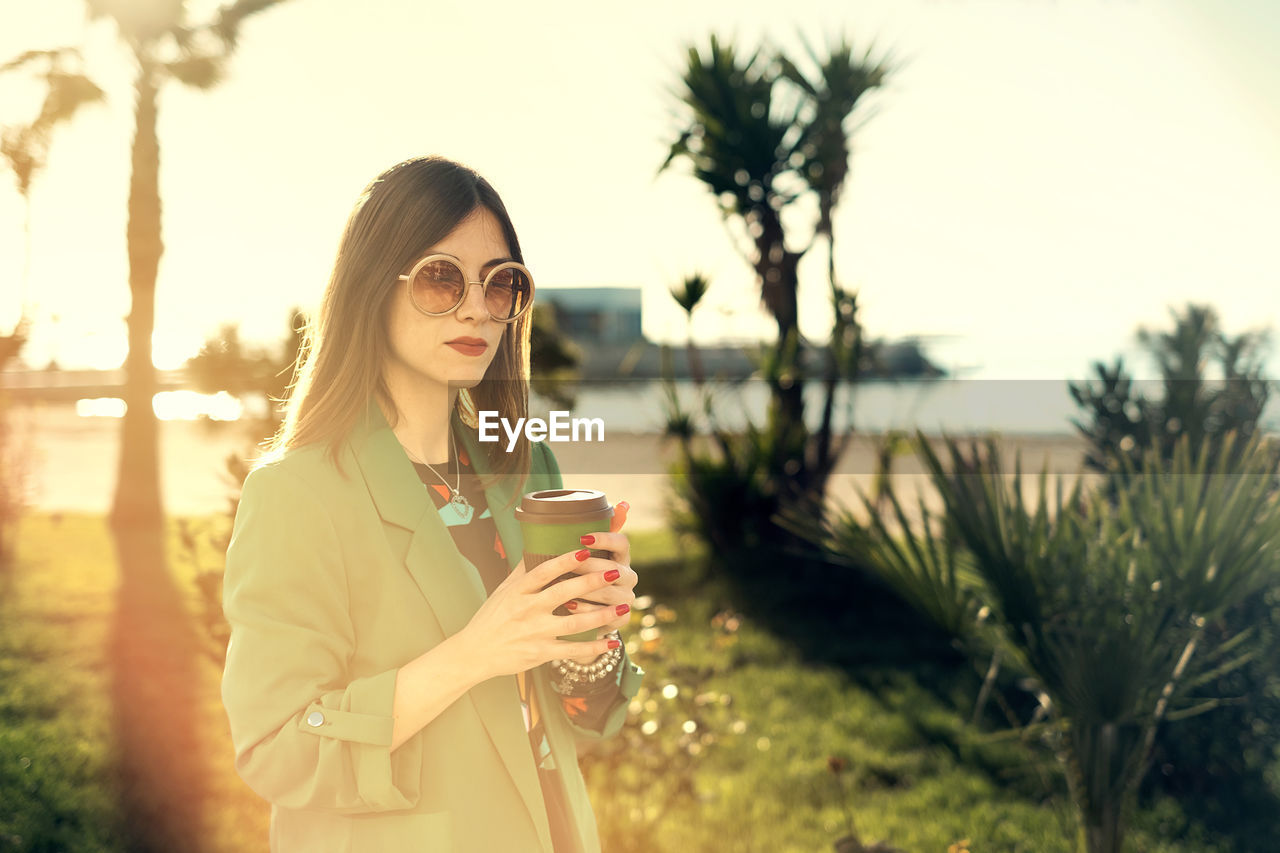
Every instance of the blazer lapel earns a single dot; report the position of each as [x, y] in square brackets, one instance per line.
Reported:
[451, 584]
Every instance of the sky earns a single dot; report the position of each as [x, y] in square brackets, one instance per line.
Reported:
[1037, 179]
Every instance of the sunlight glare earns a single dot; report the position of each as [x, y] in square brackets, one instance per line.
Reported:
[100, 407]
[169, 406]
[191, 406]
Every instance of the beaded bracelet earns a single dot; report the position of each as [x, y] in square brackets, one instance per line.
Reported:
[573, 673]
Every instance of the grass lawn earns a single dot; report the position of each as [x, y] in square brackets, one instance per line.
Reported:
[55, 715]
[726, 750]
[741, 728]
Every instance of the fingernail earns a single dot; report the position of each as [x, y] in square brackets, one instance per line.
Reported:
[612, 575]
[623, 608]
[613, 644]
[624, 505]
[572, 605]
[581, 555]
[588, 540]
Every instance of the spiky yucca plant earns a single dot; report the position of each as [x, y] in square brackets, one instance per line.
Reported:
[1103, 602]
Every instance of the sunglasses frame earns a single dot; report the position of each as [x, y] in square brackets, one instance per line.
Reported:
[484, 286]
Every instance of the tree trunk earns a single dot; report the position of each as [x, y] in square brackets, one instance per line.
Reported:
[795, 481]
[823, 459]
[157, 703]
[26, 255]
[1105, 836]
[160, 753]
[137, 498]
[1102, 759]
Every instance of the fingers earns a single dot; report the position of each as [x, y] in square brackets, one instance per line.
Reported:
[546, 572]
[615, 620]
[620, 510]
[576, 562]
[600, 580]
[571, 649]
[612, 541]
[606, 617]
[587, 586]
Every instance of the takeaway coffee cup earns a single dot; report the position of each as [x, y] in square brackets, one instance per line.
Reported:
[553, 522]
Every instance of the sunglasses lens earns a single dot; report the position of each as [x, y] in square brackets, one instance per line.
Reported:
[438, 286]
[509, 293]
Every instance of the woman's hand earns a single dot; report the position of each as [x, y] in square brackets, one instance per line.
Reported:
[620, 591]
[515, 629]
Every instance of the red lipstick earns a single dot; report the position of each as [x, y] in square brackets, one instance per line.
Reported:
[468, 346]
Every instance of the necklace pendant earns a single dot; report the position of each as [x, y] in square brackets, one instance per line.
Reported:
[462, 507]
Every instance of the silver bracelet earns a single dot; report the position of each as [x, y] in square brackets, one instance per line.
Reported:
[572, 673]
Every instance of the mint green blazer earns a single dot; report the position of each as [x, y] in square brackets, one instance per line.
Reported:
[336, 576]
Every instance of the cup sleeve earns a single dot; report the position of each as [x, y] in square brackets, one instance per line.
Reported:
[306, 735]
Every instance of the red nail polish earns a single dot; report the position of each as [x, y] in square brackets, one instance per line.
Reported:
[613, 644]
[623, 608]
[581, 555]
[588, 540]
[572, 605]
[612, 575]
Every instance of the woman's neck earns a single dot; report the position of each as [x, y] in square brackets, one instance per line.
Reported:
[422, 419]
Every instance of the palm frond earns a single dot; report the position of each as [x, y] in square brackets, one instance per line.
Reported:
[67, 93]
[140, 24]
[29, 57]
[226, 25]
[690, 291]
[734, 137]
[199, 72]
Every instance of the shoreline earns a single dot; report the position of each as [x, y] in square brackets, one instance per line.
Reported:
[71, 464]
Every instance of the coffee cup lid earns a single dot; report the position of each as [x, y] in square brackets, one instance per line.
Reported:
[557, 506]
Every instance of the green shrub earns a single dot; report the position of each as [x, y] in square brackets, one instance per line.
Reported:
[1228, 773]
[1103, 601]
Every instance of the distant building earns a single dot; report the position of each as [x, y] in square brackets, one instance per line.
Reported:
[605, 322]
[590, 315]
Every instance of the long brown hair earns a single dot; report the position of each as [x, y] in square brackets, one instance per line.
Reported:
[402, 213]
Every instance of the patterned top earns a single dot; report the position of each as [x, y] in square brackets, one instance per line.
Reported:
[476, 537]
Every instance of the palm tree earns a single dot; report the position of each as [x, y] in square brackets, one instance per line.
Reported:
[688, 294]
[758, 147]
[154, 648]
[842, 80]
[824, 150]
[26, 147]
[739, 147]
[164, 47]
[1119, 421]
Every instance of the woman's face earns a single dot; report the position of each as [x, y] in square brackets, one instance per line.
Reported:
[458, 347]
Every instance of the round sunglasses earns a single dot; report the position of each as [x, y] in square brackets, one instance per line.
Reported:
[437, 286]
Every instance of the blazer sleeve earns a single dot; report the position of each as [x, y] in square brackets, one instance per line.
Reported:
[628, 674]
[306, 735]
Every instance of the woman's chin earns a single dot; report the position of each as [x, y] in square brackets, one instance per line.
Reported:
[465, 381]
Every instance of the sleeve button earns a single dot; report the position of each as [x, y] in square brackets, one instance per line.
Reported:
[315, 719]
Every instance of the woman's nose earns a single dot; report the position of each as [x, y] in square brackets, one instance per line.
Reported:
[473, 307]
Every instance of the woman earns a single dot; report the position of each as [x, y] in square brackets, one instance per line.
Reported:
[394, 679]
